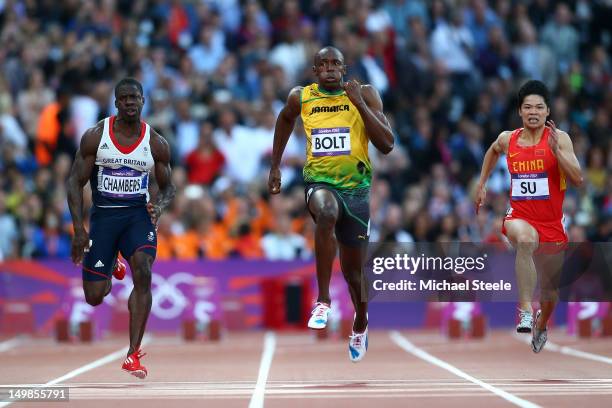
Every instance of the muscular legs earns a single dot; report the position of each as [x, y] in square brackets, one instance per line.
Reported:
[140, 299]
[549, 266]
[351, 261]
[96, 290]
[324, 207]
[525, 239]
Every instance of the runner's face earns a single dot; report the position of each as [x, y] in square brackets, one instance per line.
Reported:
[329, 68]
[129, 102]
[534, 111]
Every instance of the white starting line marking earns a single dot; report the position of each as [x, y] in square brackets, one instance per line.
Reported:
[405, 344]
[332, 389]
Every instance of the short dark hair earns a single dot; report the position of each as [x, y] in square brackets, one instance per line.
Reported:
[533, 87]
[130, 82]
[325, 49]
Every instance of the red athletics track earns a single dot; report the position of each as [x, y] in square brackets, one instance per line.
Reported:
[406, 368]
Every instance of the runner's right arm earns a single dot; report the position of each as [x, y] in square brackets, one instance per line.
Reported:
[497, 148]
[284, 126]
[82, 167]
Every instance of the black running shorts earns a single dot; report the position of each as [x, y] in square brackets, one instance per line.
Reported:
[353, 225]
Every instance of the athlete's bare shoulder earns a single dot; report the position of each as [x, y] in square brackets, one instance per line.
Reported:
[160, 149]
[563, 134]
[505, 136]
[501, 143]
[296, 90]
[369, 89]
[294, 103]
[371, 96]
[95, 131]
[294, 95]
[564, 140]
[91, 139]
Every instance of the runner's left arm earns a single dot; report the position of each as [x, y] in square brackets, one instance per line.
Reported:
[561, 145]
[367, 101]
[163, 177]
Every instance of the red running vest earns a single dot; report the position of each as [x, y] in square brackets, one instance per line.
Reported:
[538, 184]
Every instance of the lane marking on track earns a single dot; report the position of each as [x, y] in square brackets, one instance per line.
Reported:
[87, 367]
[267, 355]
[11, 343]
[405, 344]
[570, 351]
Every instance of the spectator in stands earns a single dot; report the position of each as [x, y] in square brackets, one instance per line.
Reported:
[204, 164]
[221, 69]
[284, 244]
[562, 37]
[8, 231]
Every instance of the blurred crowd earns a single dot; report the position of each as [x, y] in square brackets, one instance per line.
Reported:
[216, 73]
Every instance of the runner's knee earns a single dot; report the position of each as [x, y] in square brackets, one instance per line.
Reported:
[526, 241]
[94, 298]
[141, 275]
[324, 207]
[95, 291]
[327, 216]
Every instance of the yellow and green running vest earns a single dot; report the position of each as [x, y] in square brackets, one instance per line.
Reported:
[337, 145]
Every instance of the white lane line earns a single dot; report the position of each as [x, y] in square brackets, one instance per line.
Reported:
[550, 346]
[257, 399]
[87, 367]
[405, 344]
[11, 343]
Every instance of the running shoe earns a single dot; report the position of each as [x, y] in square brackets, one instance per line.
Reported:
[525, 321]
[119, 271]
[320, 313]
[358, 345]
[539, 337]
[132, 364]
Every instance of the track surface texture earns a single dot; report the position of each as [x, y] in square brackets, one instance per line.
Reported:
[257, 369]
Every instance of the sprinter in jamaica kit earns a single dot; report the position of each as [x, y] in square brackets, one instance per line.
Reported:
[340, 118]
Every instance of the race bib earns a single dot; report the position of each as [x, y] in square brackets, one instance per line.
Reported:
[530, 186]
[331, 141]
[122, 182]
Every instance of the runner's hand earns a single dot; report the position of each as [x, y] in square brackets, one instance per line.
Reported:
[80, 245]
[553, 137]
[274, 180]
[154, 212]
[353, 91]
[481, 195]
